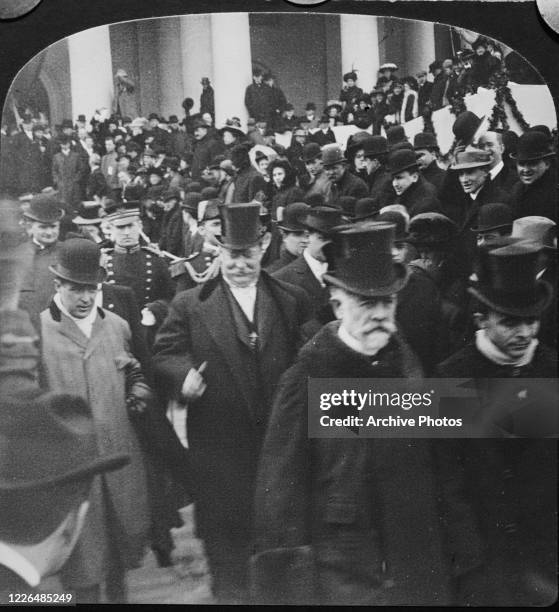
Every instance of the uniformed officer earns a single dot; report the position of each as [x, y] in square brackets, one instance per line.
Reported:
[132, 265]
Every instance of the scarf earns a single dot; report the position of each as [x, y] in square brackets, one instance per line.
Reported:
[494, 354]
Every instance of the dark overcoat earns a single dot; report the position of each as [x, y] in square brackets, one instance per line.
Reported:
[420, 197]
[539, 198]
[248, 183]
[369, 512]
[435, 175]
[348, 185]
[68, 172]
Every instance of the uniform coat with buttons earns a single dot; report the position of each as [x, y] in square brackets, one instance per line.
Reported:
[227, 423]
[363, 517]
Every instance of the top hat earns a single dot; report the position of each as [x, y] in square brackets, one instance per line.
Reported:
[209, 209]
[508, 281]
[401, 160]
[399, 221]
[48, 439]
[395, 134]
[44, 209]
[78, 262]
[539, 230]
[360, 261]
[191, 201]
[350, 75]
[233, 126]
[118, 211]
[311, 151]
[241, 226]
[87, 215]
[389, 66]
[471, 158]
[425, 140]
[375, 146]
[532, 146]
[432, 229]
[332, 155]
[293, 217]
[466, 126]
[323, 219]
[366, 208]
[493, 216]
[82, 118]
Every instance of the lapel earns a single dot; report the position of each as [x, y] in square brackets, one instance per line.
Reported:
[70, 330]
[96, 335]
[285, 305]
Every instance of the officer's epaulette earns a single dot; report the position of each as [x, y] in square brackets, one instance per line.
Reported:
[193, 256]
[107, 250]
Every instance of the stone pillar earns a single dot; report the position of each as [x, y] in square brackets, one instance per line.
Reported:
[232, 65]
[91, 74]
[360, 48]
[196, 54]
[419, 41]
[170, 67]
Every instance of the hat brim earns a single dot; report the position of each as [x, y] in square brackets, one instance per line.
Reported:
[402, 275]
[31, 217]
[235, 131]
[529, 159]
[238, 246]
[67, 275]
[482, 230]
[470, 165]
[489, 298]
[340, 160]
[315, 227]
[83, 221]
[404, 168]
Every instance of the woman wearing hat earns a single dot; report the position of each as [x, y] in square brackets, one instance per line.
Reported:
[283, 188]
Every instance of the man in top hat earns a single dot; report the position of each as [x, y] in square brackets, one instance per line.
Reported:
[86, 349]
[42, 222]
[426, 150]
[350, 93]
[192, 240]
[512, 482]
[493, 220]
[88, 221]
[334, 509]
[109, 163]
[207, 103]
[410, 188]
[536, 191]
[205, 148]
[222, 349]
[342, 181]
[294, 235]
[130, 264]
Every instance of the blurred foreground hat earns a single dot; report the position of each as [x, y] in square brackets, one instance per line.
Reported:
[493, 216]
[78, 262]
[44, 208]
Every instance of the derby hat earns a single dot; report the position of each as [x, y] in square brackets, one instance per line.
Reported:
[311, 151]
[153, 116]
[233, 126]
[471, 158]
[399, 221]
[209, 209]
[508, 281]
[432, 229]
[323, 219]
[315, 199]
[191, 201]
[401, 160]
[88, 215]
[539, 230]
[401, 145]
[81, 118]
[396, 134]
[493, 216]
[332, 154]
[360, 260]
[241, 225]
[375, 146]
[44, 209]
[466, 126]
[200, 123]
[425, 140]
[78, 262]
[209, 193]
[293, 216]
[532, 146]
[366, 208]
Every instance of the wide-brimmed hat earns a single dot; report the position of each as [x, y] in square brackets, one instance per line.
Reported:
[508, 283]
[493, 216]
[48, 439]
[323, 219]
[360, 260]
[425, 140]
[471, 158]
[293, 216]
[311, 151]
[78, 262]
[432, 229]
[44, 209]
[332, 154]
[191, 201]
[403, 159]
[539, 230]
[233, 125]
[532, 146]
[466, 126]
[367, 208]
[88, 215]
[241, 225]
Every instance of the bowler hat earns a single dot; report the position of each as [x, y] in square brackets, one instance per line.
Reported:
[310, 106]
[366, 208]
[311, 151]
[209, 193]
[200, 123]
[209, 209]
[401, 160]
[87, 215]
[395, 134]
[532, 146]
[172, 193]
[204, 81]
[350, 75]
[44, 209]
[293, 217]
[77, 261]
[471, 158]
[241, 226]
[191, 201]
[425, 140]
[132, 194]
[82, 118]
[173, 119]
[465, 127]
[332, 155]
[48, 439]
[323, 219]
[508, 281]
[493, 216]
[375, 146]
[432, 229]
[315, 199]
[67, 123]
[539, 230]
[399, 221]
[360, 260]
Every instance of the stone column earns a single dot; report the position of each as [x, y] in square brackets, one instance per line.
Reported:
[91, 76]
[232, 64]
[196, 54]
[419, 41]
[360, 48]
[170, 67]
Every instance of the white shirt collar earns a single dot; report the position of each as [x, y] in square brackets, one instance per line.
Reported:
[494, 171]
[15, 561]
[246, 298]
[475, 194]
[318, 268]
[85, 325]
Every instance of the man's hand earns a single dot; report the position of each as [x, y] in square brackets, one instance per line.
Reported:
[194, 386]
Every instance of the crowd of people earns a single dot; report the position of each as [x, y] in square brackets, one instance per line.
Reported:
[162, 261]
